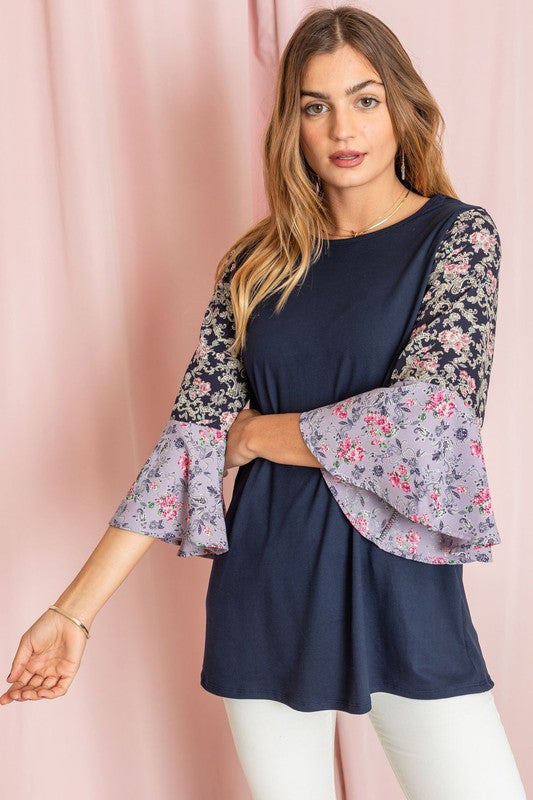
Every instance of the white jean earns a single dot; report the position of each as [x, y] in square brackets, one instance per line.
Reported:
[452, 748]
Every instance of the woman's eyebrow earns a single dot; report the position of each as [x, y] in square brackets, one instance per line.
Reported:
[350, 90]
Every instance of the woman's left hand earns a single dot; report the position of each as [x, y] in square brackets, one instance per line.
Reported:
[237, 450]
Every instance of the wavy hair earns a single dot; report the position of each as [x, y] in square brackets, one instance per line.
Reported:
[274, 254]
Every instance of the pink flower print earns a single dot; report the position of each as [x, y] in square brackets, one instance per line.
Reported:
[361, 524]
[410, 401]
[217, 436]
[152, 485]
[201, 388]
[440, 404]
[483, 500]
[419, 329]
[476, 449]
[421, 519]
[204, 434]
[378, 424]
[201, 350]
[227, 418]
[350, 451]
[209, 435]
[184, 462]
[397, 478]
[324, 448]
[454, 339]
[400, 540]
[436, 499]
[425, 363]
[437, 560]
[169, 506]
[492, 280]
[130, 490]
[412, 548]
[460, 488]
[482, 240]
[340, 411]
[456, 267]
[206, 530]
[467, 380]
[412, 536]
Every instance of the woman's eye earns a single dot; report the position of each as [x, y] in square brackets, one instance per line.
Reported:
[373, 99]
[313, 105]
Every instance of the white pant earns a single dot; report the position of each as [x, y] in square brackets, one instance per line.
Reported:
[452, 748]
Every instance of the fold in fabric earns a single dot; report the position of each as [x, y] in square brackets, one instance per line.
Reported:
[405, 462]
[178, 493]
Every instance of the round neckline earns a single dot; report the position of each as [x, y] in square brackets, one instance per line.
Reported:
[394, 225]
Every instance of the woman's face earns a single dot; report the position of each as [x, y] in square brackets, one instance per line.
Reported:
[332, 120]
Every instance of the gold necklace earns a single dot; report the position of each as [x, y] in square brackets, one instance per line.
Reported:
[380, 221]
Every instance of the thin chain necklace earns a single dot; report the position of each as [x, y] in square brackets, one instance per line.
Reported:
[379, 222]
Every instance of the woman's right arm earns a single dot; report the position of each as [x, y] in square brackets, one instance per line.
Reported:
[50, 651]
[176, 498]
[112, 560]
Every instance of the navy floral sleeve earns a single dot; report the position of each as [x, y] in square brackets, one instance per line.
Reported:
[405, 461]
[177, 495]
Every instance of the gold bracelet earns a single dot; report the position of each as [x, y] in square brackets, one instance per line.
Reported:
[77, 621]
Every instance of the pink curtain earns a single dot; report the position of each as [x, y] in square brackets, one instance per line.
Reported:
[130, 159]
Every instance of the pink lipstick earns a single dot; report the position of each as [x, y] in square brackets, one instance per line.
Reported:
[347, 158]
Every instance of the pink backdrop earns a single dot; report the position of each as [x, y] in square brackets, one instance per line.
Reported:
[130, 160]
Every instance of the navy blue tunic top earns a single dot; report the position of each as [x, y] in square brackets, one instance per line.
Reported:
[302, 608]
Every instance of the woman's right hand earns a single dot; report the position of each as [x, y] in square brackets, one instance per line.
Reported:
[47, 659]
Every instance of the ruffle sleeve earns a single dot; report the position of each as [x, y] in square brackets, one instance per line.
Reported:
[405, 461]
[177, 496]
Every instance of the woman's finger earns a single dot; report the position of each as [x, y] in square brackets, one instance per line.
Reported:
[24, 652]
[35, 681]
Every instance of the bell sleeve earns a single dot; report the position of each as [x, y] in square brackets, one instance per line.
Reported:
[177, 495]
[405, 461]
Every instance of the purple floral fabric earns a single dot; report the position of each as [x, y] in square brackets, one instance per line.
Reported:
[177, 495]
[405, 462]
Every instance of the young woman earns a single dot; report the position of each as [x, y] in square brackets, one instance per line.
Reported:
[358, 319]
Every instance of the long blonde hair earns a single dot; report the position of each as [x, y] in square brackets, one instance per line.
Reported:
[275, 253]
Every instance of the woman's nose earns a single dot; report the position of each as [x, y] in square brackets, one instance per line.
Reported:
[342, 124]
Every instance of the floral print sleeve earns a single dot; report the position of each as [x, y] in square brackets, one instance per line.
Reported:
[177, 495]
[405, 461]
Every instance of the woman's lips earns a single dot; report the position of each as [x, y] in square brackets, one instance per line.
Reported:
[352, 161]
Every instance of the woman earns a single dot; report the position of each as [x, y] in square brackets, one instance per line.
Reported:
[358, 319]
